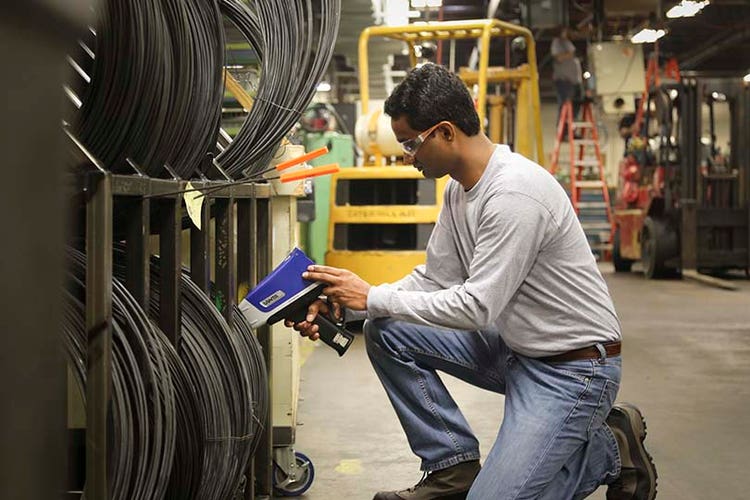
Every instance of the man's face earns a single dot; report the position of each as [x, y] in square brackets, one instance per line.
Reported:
[426, 148]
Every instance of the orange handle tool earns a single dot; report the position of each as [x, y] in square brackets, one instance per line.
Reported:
[300, 159]
[312, 172]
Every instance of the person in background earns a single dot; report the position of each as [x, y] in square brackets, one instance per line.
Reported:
[566, 71]
[635, 146]
[626, 127]
[510, 299]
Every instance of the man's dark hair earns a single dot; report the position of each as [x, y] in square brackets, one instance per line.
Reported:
[431, 94]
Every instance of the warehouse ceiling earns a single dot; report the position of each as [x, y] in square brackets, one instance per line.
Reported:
[716, 41]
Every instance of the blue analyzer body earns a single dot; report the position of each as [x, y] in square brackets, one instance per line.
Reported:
[284, 294]
[283, 286]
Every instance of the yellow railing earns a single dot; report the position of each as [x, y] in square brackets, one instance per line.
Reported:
[483, 30]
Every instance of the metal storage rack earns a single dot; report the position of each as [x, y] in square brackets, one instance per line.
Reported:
[243, 229]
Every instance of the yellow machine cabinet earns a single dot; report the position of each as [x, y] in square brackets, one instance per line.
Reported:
[381, 220]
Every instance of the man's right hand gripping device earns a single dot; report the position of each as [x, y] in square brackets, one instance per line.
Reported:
[284, 294]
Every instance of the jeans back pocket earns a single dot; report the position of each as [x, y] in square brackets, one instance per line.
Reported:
[606, 400]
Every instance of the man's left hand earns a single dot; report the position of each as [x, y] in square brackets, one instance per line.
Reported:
[344, 287]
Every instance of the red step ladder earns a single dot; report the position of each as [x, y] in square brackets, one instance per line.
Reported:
[588, 187]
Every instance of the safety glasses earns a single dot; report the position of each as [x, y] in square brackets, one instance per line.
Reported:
[411, 146]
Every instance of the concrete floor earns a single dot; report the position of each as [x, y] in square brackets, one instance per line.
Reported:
[686, 364]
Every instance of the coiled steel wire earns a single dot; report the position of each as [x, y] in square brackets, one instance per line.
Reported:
[294, 41]
[225, 366]
[144, 426]
[255, 363]
[156, 86]
[185, 419]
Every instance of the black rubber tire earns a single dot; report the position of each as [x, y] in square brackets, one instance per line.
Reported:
[622, 265]
[658, 243]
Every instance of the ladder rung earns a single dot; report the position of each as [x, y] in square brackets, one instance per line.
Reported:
[592, 204]
[595, 225]
[584, 142]
[587, 163]
[589, 184]
[583, 125]
[601, 246]
[564, 160]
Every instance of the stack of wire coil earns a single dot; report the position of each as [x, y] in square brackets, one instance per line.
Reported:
[256, 364]
[227, 374]
[145, 404]
[186, 420]
[306, 37]
[153, 85]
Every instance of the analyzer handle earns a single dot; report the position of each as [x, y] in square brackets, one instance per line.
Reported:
[333, 335]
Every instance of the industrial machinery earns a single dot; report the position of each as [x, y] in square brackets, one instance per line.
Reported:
[322, 125]
[382, 216]
[683, 203]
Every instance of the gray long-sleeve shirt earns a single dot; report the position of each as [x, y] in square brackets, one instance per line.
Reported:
[567, 69]
[510, 256]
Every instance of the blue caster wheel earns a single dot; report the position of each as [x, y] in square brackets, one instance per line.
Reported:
[294, 484]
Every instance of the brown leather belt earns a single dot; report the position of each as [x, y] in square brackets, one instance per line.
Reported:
[611, 348]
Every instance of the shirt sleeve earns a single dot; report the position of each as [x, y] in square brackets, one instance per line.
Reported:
[556, 48]
[560, 46]
[512, 228]
[442, 267]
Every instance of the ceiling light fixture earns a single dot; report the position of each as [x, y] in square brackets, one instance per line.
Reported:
[686, 8]
[746, 78]
[647, 35]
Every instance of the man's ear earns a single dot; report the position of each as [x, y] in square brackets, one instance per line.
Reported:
[448, 131]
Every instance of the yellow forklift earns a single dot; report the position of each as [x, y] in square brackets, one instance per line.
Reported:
[382, 214]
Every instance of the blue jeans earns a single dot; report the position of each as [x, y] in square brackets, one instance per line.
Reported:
[553, 443]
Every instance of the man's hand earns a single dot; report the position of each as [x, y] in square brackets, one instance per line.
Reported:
[307, 328]
[345, 287]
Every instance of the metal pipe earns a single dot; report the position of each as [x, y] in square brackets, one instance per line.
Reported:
[99, 333]
[484, 64]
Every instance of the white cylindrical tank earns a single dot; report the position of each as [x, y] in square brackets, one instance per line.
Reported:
[374, 134]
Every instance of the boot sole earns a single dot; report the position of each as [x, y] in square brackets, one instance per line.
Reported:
[452, 496]
[638, 426]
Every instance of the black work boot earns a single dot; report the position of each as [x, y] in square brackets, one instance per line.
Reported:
[452, 483]
[637, 480]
